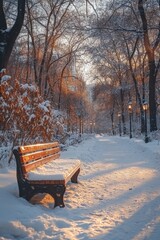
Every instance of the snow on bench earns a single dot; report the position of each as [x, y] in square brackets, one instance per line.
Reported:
[40, 170]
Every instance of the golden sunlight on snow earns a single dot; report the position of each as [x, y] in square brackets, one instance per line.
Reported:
[117, 197]
[117, 192]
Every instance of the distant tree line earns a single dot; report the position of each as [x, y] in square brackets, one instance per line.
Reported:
[127, 40]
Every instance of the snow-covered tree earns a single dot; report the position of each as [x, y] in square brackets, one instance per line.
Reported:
[8, 35]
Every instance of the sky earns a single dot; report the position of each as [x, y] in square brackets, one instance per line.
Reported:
[117, 197]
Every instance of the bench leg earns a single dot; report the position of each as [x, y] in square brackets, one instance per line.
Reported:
[74, 178]
[26, 191]
[58, 195]
[56, 191]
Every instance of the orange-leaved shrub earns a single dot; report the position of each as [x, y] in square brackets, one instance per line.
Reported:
[25, 116]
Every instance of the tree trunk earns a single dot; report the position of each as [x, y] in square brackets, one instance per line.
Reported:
[9, 36]
[122, 108]
[151, 65]
[152, 96]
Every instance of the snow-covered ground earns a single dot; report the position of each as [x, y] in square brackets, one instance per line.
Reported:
[117, 198]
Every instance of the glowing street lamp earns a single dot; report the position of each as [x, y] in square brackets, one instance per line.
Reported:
[90, 126]
[130, 118]
[119, 118]
[145, 108]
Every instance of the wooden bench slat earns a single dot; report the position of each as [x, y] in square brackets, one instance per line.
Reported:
[36, 155]
[36, 147]
[68, 177]
[30, 166]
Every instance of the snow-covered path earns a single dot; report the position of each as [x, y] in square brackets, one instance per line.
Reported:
[118, 196]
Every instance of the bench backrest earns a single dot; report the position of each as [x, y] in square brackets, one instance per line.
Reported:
[31, 156]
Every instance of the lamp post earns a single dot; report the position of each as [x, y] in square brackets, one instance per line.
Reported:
[145, 108]
[94, 127]
[79, 120]
[90, 126]
[119, 118]
[130, 118]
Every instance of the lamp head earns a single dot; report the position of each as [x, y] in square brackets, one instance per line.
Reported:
[145, 106]
[130, 107]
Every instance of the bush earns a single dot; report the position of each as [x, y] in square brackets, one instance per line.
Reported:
[25, 116]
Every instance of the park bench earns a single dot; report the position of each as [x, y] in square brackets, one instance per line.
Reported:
[40, 170]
